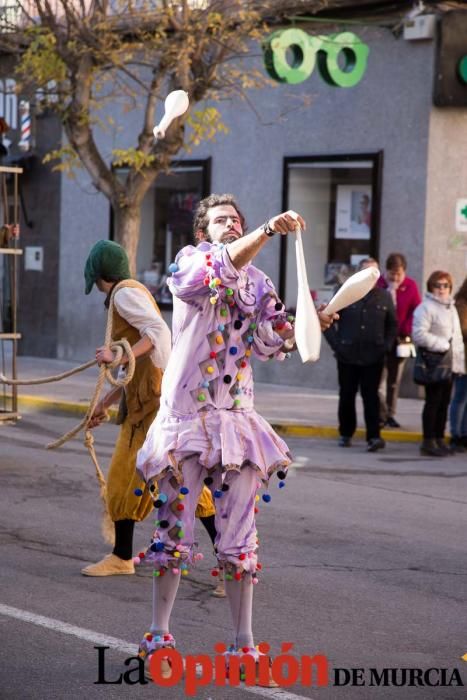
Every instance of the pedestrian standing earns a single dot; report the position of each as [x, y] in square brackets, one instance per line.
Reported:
[360, 339]
[436, 329]
[406, 297]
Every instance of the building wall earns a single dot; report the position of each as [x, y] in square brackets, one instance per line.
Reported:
[445, 248]
[84, 220]
[388, 111]
[38, 289]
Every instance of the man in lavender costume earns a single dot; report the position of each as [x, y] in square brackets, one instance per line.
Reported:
[225, 310]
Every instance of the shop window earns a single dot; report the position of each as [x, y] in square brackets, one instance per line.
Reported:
[339, 198]
[167, 223]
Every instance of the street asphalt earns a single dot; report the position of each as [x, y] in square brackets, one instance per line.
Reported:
[295, 410]
[363, 555]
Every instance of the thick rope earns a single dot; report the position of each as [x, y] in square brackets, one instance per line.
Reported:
[47, 380]
[105, 373]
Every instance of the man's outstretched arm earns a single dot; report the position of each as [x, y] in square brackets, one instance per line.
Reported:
[243, 250]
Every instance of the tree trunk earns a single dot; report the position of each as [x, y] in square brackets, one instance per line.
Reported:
[127, 223]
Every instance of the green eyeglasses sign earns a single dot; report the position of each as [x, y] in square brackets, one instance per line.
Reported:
[342, 58]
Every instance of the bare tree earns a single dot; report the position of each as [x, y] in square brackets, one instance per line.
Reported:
[96, 51]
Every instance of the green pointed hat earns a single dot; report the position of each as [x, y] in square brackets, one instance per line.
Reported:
[107, 259]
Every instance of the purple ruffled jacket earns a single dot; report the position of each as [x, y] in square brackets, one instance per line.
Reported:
[221, 318]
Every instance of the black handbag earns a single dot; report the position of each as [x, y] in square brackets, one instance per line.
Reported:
[432, 367]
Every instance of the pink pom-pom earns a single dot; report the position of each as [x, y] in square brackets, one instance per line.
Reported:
[175, 571]
[199, 556]
[254, 581]
[136, 561]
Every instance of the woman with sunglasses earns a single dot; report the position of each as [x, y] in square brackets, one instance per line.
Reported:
[435, 327]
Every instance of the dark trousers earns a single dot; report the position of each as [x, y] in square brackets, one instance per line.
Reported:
[390, 383]
[435, 410]
[351, 379]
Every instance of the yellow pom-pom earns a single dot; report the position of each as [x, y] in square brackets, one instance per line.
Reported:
[185, 572]
[210, 370]
[177, 554]
[256, 499]
[213, 300]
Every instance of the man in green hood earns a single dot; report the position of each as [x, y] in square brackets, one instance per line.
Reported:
[136, 317]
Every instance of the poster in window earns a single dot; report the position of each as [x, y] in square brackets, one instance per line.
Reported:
[353, 212]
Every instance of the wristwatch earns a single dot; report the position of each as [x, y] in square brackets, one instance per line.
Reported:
[268, 230]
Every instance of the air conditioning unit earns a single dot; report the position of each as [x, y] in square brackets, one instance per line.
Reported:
[421, 27]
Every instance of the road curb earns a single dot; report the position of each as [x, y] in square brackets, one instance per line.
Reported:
[46, 405]
[330, 432]
[285, 428]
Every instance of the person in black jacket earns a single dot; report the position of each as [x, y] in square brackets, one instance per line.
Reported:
[360, 339]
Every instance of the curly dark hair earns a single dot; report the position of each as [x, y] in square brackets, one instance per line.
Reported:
[201, 220]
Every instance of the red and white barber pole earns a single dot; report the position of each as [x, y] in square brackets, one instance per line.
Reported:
[25, 125]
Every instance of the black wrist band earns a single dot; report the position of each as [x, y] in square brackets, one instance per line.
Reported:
[268, 230]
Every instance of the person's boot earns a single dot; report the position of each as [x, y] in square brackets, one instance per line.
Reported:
[456, 445]
[263, 680]
[150, 643]
[375, 444]
[443, 447]
[429, 448]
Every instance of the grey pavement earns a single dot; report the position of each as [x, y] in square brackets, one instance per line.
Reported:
[363, 561]
[280, 404]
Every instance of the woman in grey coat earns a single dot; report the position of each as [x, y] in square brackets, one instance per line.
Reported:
[435, 327]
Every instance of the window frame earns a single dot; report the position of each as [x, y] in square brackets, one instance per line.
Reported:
[205, 165]
[376, 159]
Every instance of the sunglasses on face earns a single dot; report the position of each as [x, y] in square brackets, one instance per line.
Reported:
[442, 285]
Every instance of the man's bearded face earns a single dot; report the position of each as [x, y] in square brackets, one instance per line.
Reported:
[224, 224]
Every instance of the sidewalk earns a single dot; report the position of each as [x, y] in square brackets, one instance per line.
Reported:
[293, 411]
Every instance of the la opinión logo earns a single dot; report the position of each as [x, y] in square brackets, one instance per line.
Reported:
[198, 670]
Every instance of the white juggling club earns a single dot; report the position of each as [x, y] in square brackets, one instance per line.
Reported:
[307, 325]
[353, 289]
[176, 104]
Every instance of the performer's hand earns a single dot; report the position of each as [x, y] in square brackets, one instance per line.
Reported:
[287, 222]
[284, 330]
[104, 355]
[326, 320]
[99, 416]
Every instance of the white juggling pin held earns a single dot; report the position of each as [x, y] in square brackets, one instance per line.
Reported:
[176, 104]
[307, 325]
[353, 289]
